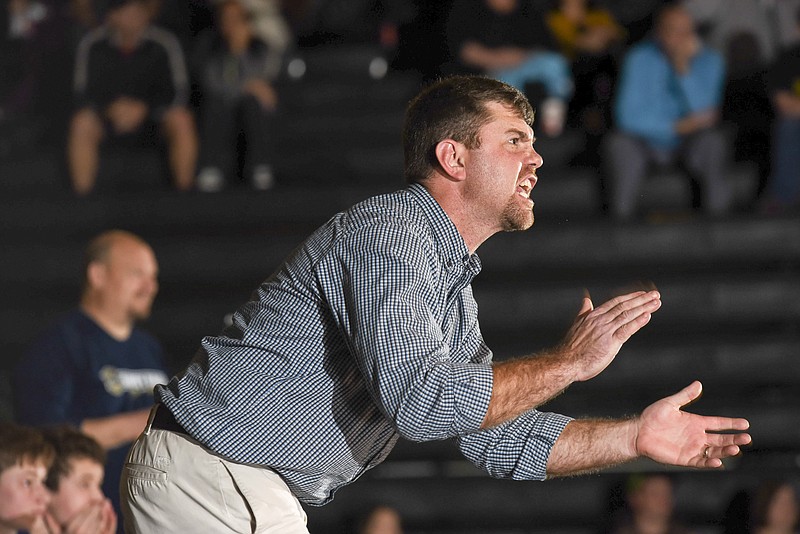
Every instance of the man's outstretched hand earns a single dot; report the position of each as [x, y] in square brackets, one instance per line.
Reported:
[669, 435]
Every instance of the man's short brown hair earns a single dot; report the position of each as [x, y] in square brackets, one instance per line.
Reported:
[69, 444]
[23, 445]
[453, 108]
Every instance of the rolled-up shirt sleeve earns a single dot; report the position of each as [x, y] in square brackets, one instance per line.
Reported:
[517, 449]
[388, 305]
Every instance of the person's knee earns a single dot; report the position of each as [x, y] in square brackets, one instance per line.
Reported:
[179, 122]
[712, 143]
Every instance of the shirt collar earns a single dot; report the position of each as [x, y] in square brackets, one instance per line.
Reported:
[452, 245]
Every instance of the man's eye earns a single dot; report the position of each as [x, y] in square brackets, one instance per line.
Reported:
[514, 140]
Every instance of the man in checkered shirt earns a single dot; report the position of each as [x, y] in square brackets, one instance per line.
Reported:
[369, 332]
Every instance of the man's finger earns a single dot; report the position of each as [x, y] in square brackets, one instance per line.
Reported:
[687, 395]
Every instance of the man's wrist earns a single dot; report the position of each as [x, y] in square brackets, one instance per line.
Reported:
[632, 437]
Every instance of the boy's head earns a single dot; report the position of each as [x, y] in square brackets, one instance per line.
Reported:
[76, 475]
[25, 457]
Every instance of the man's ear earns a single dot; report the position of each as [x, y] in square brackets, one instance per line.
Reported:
[96, 274]
[450, 155]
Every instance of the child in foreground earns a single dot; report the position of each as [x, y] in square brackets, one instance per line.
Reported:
[25, 457]
[77, 503]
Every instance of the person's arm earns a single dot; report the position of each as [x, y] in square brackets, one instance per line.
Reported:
[663, 432]
[115, 430]
[538, 445]
[786, 104]
[702, 88]
[589, 347]
[89, 89]
[382, 287]
[474, 54]
[389, 308]
[171, 79]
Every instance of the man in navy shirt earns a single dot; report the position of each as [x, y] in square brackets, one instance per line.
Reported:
[94, 368]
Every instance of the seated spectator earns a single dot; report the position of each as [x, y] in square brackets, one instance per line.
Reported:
[744, 32]
[380, 519]
[747, 106]
[786, 19]
[775, 509]
[783, 190]
[509, 40]
[649, 507]
[25, 457]
[129, 78]
[236, 76]
[34, 78]
[77, 503]
[667, 112]
[330, 22]
[589, 37]
[719, 20]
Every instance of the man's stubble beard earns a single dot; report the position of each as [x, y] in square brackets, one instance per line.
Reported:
[515, 219]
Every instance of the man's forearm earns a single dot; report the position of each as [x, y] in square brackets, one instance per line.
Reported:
[115, 430]
[588, 445]
[526, 383]
[589, 347]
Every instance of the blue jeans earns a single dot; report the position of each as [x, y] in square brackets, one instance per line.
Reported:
[784, 185]
[549, 68]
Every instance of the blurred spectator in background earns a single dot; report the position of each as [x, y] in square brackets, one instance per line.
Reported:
[95, 369]
[77, 504]
[786, 22]
[747, 106]
[745, 32]
[269, 25]
[236, 70]
[667, 112]
[380, 519]
[591, 39]
[783, 190]
[775, 509]
[130, 78]
[719, 20]
[509, 40]
[736, 519]
[649, 507]
[32, 84]
[326, 22]
[21, 24]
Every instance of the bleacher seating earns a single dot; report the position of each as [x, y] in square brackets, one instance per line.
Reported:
[731, 294]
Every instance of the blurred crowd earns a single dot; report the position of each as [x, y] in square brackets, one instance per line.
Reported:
[692, 86]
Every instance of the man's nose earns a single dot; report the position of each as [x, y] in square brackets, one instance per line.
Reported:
[534, 158]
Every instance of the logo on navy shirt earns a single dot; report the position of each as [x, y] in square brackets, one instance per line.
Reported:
[134, 382]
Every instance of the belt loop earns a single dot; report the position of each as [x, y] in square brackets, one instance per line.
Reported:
[150, 418]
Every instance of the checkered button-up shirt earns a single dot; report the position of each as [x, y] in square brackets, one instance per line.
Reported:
[368, 332]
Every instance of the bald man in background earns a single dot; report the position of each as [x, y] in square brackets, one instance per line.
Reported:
[94, 368]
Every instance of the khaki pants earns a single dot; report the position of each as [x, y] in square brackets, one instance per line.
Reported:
[170, 483]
